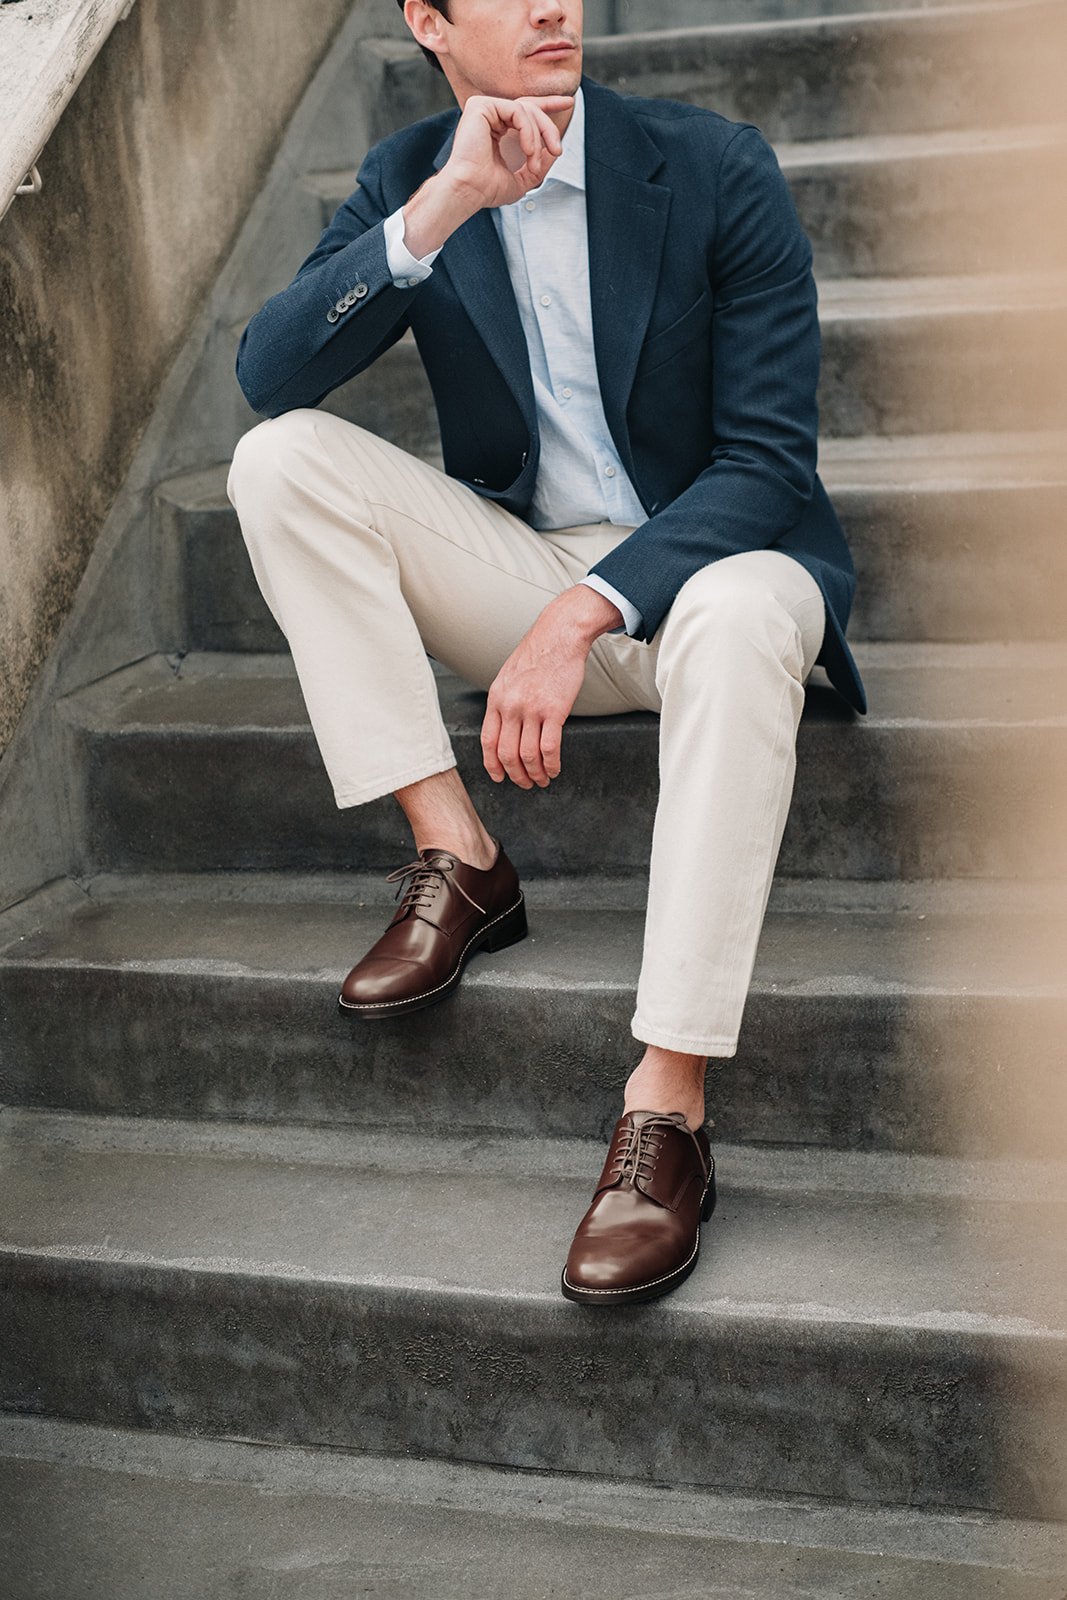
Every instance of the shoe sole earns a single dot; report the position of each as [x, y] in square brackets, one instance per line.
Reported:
[508, 927]
[636, 1294]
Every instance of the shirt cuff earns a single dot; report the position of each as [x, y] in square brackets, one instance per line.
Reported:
[631, 616]
[406, 270]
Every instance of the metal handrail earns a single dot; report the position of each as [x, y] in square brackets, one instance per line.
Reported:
[45, 51]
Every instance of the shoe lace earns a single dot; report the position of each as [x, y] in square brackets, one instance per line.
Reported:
[427, 877]
[638, 1147]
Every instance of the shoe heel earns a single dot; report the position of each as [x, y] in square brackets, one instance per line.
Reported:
[509, 930]
[709, 1200]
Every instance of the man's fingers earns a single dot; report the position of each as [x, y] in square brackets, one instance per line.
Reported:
[508, 751]
[536, 133]
[490, 736]
[551, 742]
[530, 752]
[519, 134]
[529, 130]
[546, 143]
[549, 130]
[527, 752]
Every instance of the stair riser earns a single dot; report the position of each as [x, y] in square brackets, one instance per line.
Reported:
[958, 564]
[842, 1071]
[216, 603]
[971, 371]
[889, 217]
[639, 16]
[925, 801]
[458, 1528]
[762, 1406]
[932, 565]
[912, 218]
[843, 76]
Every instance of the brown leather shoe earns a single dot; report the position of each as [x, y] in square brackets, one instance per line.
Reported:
[449, 911]
[640, 1237]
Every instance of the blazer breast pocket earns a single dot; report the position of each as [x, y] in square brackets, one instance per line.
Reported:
[682, 331]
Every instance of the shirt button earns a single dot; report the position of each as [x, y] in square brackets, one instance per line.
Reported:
[609, 472]
[531, 205]
[412, 282]
[567, 393]
[546, 299]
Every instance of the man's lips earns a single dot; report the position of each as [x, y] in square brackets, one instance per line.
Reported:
[553, 49]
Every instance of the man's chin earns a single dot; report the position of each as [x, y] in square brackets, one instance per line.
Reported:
[555, 74]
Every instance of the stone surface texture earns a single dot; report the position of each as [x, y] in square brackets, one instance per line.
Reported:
[279, 1292]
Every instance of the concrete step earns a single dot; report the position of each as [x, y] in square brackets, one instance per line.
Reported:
[639, 16]
[233, 1519]
[927, 520]
[862, 1344]
[941, 354]
[901, 204]
[209, 764]
[879, 1017]
[897, 70]
[912, 204]
[899, 356]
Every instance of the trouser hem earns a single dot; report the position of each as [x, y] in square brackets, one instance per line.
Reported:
[709, 1045]
[382, 786]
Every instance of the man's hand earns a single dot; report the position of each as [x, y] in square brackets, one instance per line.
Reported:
[531, 696]
[500, 149]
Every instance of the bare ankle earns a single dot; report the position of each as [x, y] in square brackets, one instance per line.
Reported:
[668, 1080]
[442, 814]
[473, 851]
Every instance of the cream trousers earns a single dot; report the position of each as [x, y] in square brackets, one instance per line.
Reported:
[370, 560]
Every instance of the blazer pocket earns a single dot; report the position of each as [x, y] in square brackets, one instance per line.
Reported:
[682, 331]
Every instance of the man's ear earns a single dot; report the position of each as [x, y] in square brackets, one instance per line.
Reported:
[426, 23]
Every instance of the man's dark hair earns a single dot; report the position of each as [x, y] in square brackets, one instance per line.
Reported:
[442, 7]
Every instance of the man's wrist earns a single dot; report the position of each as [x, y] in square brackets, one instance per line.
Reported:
[434, 212]
[586, 613]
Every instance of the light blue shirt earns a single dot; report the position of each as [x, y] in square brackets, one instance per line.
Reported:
[580, 478]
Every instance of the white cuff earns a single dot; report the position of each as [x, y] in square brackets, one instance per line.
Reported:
[631, 616]
[406, 270]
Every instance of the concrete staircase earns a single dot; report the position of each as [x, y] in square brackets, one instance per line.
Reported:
[282, 1310]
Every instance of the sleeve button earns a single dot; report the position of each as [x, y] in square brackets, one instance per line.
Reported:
[333, 314]
[359, 291]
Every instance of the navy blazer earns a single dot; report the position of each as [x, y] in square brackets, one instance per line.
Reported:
[705, 331]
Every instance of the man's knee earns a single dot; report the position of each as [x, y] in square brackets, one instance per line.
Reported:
[262, 453]
[760, 602]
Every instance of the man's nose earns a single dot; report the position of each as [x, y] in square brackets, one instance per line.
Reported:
[547, 11]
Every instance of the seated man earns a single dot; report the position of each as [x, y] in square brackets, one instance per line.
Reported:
[614, 303]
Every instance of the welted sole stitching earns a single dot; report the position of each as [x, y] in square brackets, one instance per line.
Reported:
[650, 1283]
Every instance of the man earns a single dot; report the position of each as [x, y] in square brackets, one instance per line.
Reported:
[614, 304]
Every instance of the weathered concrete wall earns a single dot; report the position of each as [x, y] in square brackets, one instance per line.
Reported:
[151, 171]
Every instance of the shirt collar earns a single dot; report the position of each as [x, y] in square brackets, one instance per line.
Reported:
[569, 165]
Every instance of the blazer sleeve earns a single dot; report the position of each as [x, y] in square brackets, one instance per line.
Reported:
[293, 353]
[765, 355]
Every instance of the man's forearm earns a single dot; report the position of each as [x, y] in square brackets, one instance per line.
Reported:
[434, 212]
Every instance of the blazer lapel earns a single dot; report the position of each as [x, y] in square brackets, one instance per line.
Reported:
[626, 218]
[475, 262]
